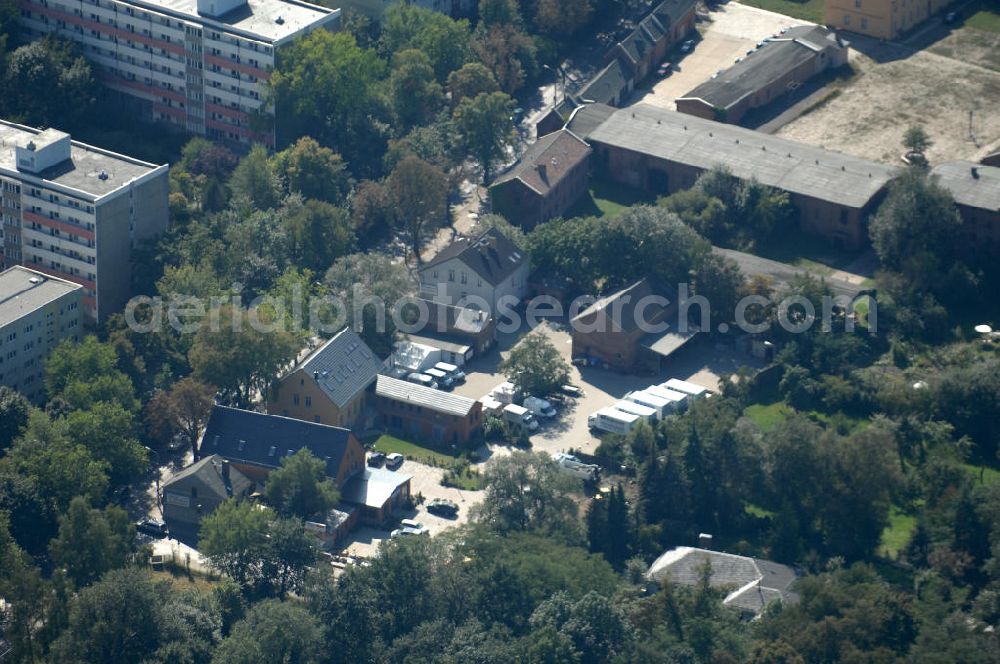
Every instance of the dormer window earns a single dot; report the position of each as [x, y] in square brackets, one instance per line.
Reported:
[272, 451]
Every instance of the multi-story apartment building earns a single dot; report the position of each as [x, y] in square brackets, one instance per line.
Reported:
[198, 65]
[76, 212]
[885, 19]
[37, 312]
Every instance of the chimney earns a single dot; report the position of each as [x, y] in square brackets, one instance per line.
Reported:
[705, 541]
[225, 478]
[975, 173]
[315, 375]
[542, 172]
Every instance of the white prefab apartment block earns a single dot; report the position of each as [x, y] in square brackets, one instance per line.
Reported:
[199, 65]
[76, 212]
[37, 312]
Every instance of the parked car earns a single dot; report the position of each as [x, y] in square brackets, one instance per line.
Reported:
[153, 528]
[393, 461]
[950, 17]
[571, 391]
[666, 68]
[410, 523]
[403, 532]
[443, 507]
[444, 380]
[376, 459]
[539, 407]
[452, 370]
[422, 379]
[687, 46]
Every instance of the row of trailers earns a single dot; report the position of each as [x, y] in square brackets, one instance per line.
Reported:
[649, 405]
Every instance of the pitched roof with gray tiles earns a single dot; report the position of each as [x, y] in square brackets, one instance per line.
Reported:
[587, 118]
[342, 367]
[547, 161]
[752, 583]
[777, 162]
[490, 255]
[263, 440]
[607, 84]
[426, 397]
[971, 184]
[207, 478]
[373, 487]
[625, 316]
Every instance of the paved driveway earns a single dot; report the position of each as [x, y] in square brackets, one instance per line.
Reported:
[729, 33]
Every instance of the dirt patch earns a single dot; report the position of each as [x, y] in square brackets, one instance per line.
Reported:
[972, 46]
[875, 108]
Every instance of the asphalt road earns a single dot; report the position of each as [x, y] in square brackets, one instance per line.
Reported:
[782, 273]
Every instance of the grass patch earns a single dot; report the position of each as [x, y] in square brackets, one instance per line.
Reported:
[983, 18]
[757, 511]
[985, 474]
[389, 444]
[768, 416]
[606, 198]
[808, 252]
[465, 479]
[897, 534]
[809, 10]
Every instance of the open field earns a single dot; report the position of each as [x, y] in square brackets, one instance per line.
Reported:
[808, 10]
[896, 87]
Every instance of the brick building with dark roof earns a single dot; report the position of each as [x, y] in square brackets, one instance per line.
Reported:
[976, 190]
[255, 443]
[195, 492]
[548, 179]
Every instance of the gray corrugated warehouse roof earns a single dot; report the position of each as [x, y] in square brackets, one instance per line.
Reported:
[418, 395]
[23, 291]
[793, 167]
[971, 184]
[587, 118]
[764, 66]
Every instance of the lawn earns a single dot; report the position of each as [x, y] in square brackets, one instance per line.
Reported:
[768, 416]
[985, 18]
[988, 475]
[808, 252]
[810, 10]
[389, 444]
[897, 534]
[466, 480]
[608, 199]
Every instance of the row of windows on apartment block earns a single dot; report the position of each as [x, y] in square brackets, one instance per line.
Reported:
[30, 327]
[49, 196]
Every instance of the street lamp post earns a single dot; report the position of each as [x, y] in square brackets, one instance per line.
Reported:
[561, 73]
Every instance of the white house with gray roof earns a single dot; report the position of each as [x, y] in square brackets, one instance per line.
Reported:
[487, 272]
[331, 385]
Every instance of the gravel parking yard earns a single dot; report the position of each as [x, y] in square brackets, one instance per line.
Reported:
[728, 33]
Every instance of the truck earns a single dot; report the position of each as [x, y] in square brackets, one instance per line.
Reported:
[661, 405]
[695, 391]
[491, 406]
[588, 472]
[444, 381]
[613, 420]
[647, 414]
[456, 374]
[678, 400]
[505, 392]
[539, 407]
[520, 418]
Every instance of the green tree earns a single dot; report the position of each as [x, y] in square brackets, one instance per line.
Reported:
[445, 41]
[318, 233]
[255, 179]
[372, 212]
[562, 17]
[108, 431]
[184, 408]
[273, 631]
[234, 539]
[85, 373]
[314, 171]
[57, 67]
[14, 409]
[719, 280]
[526, 491]
[420, 193]
[470, 81]
[300, 487]
[916, 139]
[324, 87]
[91, 542]
[486, 127]
[507, 52]
[414, 93]
[535, 366]
[244, 359]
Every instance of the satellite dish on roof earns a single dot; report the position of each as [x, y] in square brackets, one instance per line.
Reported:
[983, 329]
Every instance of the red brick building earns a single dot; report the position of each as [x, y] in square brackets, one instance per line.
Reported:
[423, 413]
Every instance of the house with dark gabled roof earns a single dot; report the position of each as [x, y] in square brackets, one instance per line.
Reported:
[194, 493]
[487, 272]
[648, 44]
[331, 385]
[255, 443]
[548, 179]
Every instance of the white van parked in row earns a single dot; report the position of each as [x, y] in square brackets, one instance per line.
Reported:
[520, 418]
[539, 407]
[613, 420]
[647, 414]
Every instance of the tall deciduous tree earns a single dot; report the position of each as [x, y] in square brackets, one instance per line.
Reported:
[317, 233]
[273, 631]
[314, 171]
[562, 17]
[301, 487]
[535, 366]
[85, 373]
[471, 80]
[445, 41]
[420, 194]
[14, 409]
[92, 542]
[486, 127]
[183, 408]
[255, 179]
[415, 95]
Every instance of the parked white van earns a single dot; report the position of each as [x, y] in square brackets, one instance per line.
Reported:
[540, 407]
[519, 417]
[422, 379]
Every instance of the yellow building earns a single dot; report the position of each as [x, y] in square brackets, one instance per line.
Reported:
[885, 19]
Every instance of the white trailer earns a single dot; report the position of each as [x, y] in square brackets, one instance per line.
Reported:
[588, 472]
[519, 417]
[613, 421]
[491, 406]
[696, 391]
[647, 414]
[662, 406]
[678, 400]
